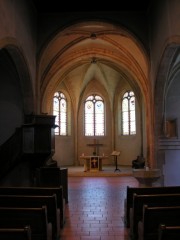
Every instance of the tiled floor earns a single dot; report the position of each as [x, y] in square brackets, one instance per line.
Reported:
[96, 208]
[107, 171]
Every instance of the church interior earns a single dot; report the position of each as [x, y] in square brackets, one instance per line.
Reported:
[80, 88]
[131, 55]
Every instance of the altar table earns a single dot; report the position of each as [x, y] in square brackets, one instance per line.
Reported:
[93, 163]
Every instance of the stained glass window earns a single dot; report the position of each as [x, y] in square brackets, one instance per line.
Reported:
[60, 111]
[94, 116]
[128, 114]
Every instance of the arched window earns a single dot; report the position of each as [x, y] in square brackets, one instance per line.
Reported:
[94, 116]
[128, 114]
[60, 111]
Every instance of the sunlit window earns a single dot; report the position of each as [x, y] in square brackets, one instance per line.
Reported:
[94, 116]
[128, 114]
[60, 111]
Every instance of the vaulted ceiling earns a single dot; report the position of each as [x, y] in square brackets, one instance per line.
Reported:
[94, 56]
[92, 51]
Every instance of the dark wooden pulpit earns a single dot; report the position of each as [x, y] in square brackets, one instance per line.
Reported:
[38, 138]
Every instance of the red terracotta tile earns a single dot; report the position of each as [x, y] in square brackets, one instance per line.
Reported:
[96, 208]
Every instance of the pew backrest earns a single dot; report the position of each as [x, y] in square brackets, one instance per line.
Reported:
[168, 232]
[151, 200]
[36, 218]
[128, 202]
[64, 182]
[44, 191]
[153, 217]
[15, 233]
[53, 177]
[31, 201]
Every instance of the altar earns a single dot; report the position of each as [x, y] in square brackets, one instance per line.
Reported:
[93, 163]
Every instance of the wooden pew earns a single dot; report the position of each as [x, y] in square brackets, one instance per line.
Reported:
[15, 233]
[168, 232]
[27, 201]
[36, 218]
[160, 200]
[64, 182]
[53, 177]
[44, 191]
[153, 217]
[128, 201]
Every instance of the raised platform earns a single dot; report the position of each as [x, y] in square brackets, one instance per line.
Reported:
[107, 171]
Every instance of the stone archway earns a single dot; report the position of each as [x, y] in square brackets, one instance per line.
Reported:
[68, 58]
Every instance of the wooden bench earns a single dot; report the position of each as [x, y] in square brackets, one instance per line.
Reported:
[36, 218]
[168, 232]
[154, 216]
[53, 177]
[152, 200]
[44, 191]
[35, 202]
[128, 202]
[64, 182]
[15, 233]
